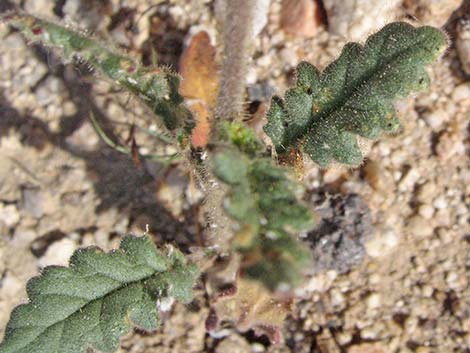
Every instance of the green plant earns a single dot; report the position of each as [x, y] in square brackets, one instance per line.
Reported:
[323, 116]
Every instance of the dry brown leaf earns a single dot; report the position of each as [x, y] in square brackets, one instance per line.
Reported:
[250, 305]
[199, 70]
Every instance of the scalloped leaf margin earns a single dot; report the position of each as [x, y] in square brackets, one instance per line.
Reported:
[324, 114]
[95, 300]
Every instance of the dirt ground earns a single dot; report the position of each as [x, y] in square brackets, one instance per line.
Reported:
[61, 187]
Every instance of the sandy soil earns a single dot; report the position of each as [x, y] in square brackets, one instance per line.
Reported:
[61, 187]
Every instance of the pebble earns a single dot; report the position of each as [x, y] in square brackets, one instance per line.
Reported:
[39, 7]
[356, 19]
[409, 180]
[436, 118]
[462, 42]
[426, 211]
[233, 343]
[367, 348]
[337, 299]
[374, 301]
[461, 92]
[426, 192]
[58, 253]
[84, 138]
[9, 215]
[382, 243]
[261, 16]
[48, 90]
[449, 145]
[419, 226]
[300, 17]
[440, 202]
[432, 12]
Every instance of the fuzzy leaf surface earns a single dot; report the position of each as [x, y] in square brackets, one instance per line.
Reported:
[97, 298]
[156, 87]
[325, 112]
[264, 201]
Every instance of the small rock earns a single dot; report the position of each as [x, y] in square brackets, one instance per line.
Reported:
[355, 19]
[426, 192]
[84, 138]
[440, 202]
[233, 343]
[58, 253]
[337, 299]
[261, 16]
[418, 226]
[382, 243]
[432, 12]
[367, 348]
[374, 301]
[300, 17]
[31, 199]
[462, 42]
[39, 8]
[48, 90]
[408, 181]
[426, 211]
[90, 14]
[9, 215]
[436, 118]
[450, 144]
[38, 202]
[461, 92]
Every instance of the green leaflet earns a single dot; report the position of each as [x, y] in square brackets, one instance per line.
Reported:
[93, 302]
[264, 202]
[156, 87]
[354, 95]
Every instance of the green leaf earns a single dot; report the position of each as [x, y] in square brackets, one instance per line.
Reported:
[156, 87]
[95, 300]
[265, 203]
[325, 112]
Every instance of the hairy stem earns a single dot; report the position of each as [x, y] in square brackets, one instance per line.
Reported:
[237, 36]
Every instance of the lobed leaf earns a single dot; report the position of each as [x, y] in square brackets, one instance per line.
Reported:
[95, 300]
[156, 87]
[325, 112]
[264, 202]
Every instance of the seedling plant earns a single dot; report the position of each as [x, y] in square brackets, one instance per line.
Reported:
[253, 205]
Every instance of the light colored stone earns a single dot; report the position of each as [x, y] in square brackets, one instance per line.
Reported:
[9, 215]
[367, 348]
[461, 92]
[426, 211]
[450, 144]
[440, 202]
[436, 118]
[462, 42]
[355, 19]
[418, 226]
[408, 181]
[426, 192]
[374, 301]
[58, 253]
[382, 243]
[432, 12]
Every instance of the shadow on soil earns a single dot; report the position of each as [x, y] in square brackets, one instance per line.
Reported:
[117, 181]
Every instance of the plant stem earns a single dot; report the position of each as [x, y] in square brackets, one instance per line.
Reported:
[237, 37]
